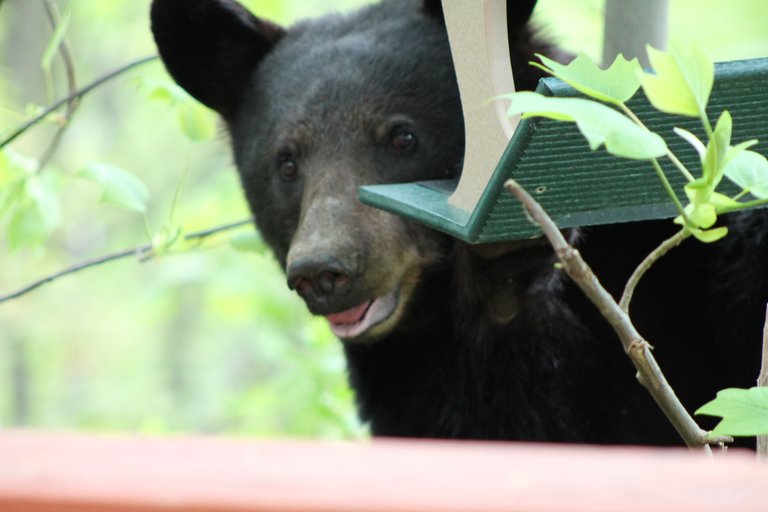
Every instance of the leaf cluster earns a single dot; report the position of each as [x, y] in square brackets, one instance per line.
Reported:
[680, 84]
[29, 202]
[29, 198]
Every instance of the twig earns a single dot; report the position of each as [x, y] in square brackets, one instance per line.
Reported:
[69, 65]
[666, 246]
[200, 235]
[52, 11]
[742, 206]
[683, 170]
[668, 187]
[76, 95]
[762, 381]
[142, 253]
[637, 348]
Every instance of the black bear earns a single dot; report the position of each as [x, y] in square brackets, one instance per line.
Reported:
[444, 339]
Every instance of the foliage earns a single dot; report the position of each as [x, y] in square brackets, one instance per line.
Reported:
[121, 188]
[600, 125]
[28, 201]
[679, 84]
[744, 412]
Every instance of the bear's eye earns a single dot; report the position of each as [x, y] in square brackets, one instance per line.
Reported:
[401, 138]
[286, 163]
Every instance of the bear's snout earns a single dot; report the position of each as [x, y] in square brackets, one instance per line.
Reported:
[320, 280]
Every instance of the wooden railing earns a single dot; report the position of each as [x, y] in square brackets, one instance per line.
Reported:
[46, 472]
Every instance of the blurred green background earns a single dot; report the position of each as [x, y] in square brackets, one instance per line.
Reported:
[210, 340]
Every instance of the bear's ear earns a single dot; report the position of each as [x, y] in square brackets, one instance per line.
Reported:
[211, 47]
[519, 12]
[434, 7]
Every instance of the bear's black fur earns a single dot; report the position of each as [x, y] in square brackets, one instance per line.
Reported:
[444, 339]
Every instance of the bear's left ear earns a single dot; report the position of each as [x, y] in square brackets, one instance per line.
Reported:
[211, 47]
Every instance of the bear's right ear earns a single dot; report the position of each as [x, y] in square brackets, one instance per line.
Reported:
[434, 7]
[211, 47]
[518, 11]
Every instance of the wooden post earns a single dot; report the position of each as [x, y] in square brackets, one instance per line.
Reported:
[630, 25]
[762, 381]
[477, 30]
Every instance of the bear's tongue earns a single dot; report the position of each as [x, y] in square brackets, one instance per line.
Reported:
[349, 316]
[353, 322]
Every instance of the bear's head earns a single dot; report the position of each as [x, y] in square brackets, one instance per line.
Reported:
[316, 111]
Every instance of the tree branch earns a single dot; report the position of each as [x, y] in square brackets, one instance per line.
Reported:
[54, 19]
[637, 348]
[142, 253]
[762, 381]
[76, 95]
[666, 246]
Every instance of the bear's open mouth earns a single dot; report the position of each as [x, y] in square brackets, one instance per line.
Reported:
[355, 321]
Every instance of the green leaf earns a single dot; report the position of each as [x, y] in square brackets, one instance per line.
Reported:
[35, 212]
[13, 165]
[721, 201]
[698, 191]
[25, 228]
[13, 168]
[710, 235]
[739, 148]
[702, 212]
[121, 188]
[641, 145]
[749, 170]
[693, 140]
[56, 39]
[682, 81]
[713, 165]
[702, 215]
[14, 171]
[598, 123]
[744, 412]
[164, 240]
[45, 198]
[247, 241]
[197, 122]
[617, 84]
[163, 90]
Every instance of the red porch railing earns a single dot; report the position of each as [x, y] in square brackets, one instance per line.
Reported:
[46, 472]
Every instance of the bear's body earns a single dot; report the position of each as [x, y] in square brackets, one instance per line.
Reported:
[444, 339]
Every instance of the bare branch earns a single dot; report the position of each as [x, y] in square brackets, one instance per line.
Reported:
[76, 95]
[762, 381]
[142, 253]
[54, 19]
[666, 246]
[637, 348]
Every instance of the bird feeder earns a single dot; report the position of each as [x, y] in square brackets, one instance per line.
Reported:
[576, 186]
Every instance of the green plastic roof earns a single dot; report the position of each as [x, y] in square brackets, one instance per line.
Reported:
[577, 186]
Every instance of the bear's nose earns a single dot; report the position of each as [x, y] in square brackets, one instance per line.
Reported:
[319, 279]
